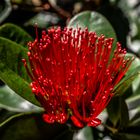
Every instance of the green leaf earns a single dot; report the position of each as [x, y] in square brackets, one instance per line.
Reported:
[135, 63]
[15, 106]
[130, 76]
[5, 9]
[118, 112]
[94, 22]
[15, 33]
[7, 116]
[135, 120]
[134, 110]
[43, 19]
[126, 136]
[84, 134]
[21, 128]
[133, 102]
[12, 71]
[9, 100]
[136, 81]
[136, 86]
[32, 126]
[126, 82]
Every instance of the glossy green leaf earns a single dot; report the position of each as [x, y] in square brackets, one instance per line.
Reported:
[43, 19]
[94, 22]
[133, 102]
[12, 71]
[135, 63]
[130, 76]
[32, 126]
[15, 33]
[21, 128]
[5, 9]
[136, 82]
[14, 106]
[134, 110]
[136, 86]
[84, 134]
[9, 100]
[135, 120]
[118, 112]
[126, 82]
[7, 116]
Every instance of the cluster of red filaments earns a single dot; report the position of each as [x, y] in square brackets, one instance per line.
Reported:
[74, 73]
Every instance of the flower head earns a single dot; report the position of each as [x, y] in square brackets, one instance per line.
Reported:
[73, 74]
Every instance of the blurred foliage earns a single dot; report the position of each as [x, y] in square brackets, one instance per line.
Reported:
[20, 118]
[5, 9]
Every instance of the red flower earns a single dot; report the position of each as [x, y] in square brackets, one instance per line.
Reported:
[74, 73]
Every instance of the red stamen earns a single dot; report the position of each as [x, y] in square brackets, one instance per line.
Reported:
[74, 73]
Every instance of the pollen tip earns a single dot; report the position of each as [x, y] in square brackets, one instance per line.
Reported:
[24, 62]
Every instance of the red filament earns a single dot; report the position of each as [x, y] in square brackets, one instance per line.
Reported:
[73, 74]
